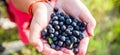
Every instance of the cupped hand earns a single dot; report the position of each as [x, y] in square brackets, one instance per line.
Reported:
[41, 17]
[78, 10]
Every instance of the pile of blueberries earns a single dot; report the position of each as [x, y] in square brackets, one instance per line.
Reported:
[64, 31]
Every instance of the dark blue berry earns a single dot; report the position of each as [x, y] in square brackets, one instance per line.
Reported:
[77, 27]
[62, 38]
[52, 15]
[53, 45]
[55, 38]
[56, 33]
[68, 32]
[61, 23]
[83, 24]
[68, 21]
[55, 9]
[63, 27]
[70, 27]
[44, 32]
[62, 18]
[75, 50]
[75, 20]
[73, 39]
[51, 30]
[74, 24]
[81, 35]
[55, 18]
[76, 33]
[57, 27]
[57, 48]
[64, 34]
[61, 13]
[49, 26]
[82, 29]
[51, 35]
[55, 23]
[67, 17]
[68, 42]
[75, 45]
[60, 43]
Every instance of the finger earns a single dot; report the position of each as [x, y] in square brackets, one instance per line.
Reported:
[87, 17]
[37, 26]
[69, 52]
[83, 45]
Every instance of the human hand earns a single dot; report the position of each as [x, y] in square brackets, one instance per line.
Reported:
[76, 9]
[41, 17]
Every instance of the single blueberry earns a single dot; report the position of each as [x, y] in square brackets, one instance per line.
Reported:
[63, 27]
[62, 14]
[52, 15]
[56, 33]
[67, 17]
[55, 18]
[83, 24]
[56, 9]
[70, 27]
[62, 18]
[57, 48]
[68, 21]
[64, 34]
[77, 27]
[51, 35]
[75, 45]
[68, 32]
[44, 32]
[55, 23]
[52, 45]
[51, 30]
[82, 29]
[61, 23]
[76, 33]
[49, 26]
[55, 38]
[73, 39]
[74, 24]
[68, 42]
[62, 38]
[60, 43]
[81, 35]
[75, 50]
[57, 27]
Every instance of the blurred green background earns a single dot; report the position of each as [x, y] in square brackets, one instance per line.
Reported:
[106, 40]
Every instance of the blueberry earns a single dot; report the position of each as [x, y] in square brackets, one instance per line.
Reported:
[55, 23]
[44, 32]
[75, 45]
[75, 20]
[62, 18]
[55, 9]
[74, 24]
[57, 48]
[68, 42]
[81, 35]
[78, 40]
[76, 33]
[56, 33]
[60, 43]
[75, 50]
[70, 27]
[62, 38]
[51, 30]
[55, 18]
[62, 14]
[51, 35]
[68, 21]
[68, 32]
[64, 34]
[61, 23]
[52, 15]
[63, 27]
[83, 24]
[55, 38]
[73, 39]
[77, 27]
[53, 45]
[82, 29]
[67, 17]
[57, 27]
[49, 26]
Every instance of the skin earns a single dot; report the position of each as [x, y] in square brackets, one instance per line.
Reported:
[41, 13]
